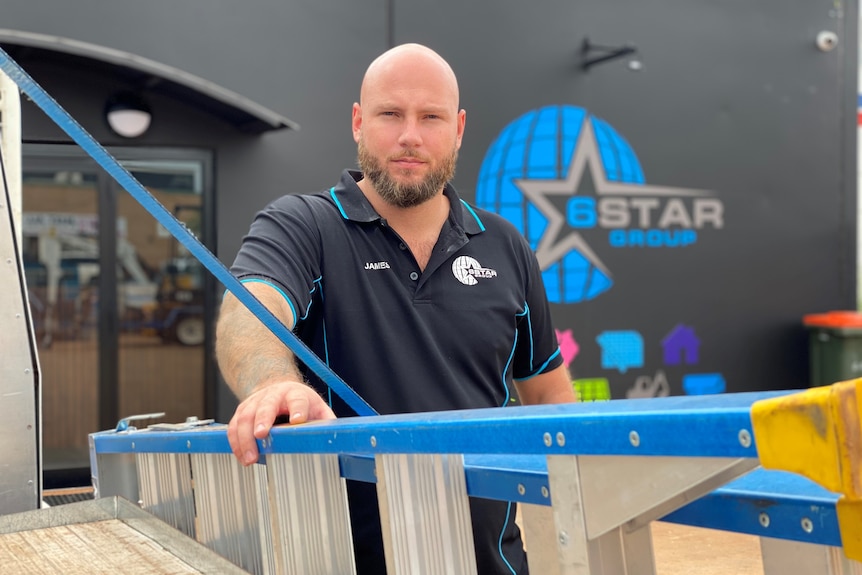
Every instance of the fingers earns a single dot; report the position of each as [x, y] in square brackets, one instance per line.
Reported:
[254, 417]
[240, 432]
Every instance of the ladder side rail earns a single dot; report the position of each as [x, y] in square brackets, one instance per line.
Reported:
[425, 514]
[165, 481]
[228, 520]
[310, 519]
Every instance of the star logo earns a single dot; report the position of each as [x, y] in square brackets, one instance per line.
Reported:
[585, 166]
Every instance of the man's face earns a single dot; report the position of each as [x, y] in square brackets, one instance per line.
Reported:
[408, 131]
[397, 185]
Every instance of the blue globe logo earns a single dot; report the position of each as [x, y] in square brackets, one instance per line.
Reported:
[541, 145]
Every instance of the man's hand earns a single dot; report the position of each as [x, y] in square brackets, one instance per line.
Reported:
[255, 415]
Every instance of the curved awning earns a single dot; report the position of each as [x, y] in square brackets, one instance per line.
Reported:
[153, 76]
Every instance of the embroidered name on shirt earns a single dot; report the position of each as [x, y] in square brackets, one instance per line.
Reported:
[377, 265]
[467, 269]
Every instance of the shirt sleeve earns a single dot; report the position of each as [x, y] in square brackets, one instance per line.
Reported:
[537, 350]
[282, 248]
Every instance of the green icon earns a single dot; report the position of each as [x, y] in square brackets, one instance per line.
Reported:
[592, 389]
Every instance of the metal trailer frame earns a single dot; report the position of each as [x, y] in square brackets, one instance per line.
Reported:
[20, 386]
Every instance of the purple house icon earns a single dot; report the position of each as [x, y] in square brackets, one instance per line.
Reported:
[681, 345]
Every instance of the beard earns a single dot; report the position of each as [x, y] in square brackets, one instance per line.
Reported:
[405, 195]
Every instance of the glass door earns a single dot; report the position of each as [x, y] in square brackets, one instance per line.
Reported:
[123, 343]
[161, 304]
[61, 248]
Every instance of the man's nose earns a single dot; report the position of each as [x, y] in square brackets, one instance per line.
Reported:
[411, 135]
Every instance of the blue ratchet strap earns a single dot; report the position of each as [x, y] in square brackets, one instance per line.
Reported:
[177, 229]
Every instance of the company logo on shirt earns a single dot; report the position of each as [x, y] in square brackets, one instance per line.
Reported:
[377, 265]
[468, 271]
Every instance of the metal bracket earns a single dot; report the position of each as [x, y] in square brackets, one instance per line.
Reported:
[123, 424]
[189, 423]
[606, 53]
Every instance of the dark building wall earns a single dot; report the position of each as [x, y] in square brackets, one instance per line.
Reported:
[734, 99]
[303, 59]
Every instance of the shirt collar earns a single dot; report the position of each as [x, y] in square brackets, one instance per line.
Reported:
[354, 206]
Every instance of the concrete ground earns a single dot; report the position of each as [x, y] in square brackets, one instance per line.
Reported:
[683, 550]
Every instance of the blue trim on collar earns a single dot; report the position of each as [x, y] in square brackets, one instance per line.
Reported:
[353, 205]
[473, 213]
[337, 202]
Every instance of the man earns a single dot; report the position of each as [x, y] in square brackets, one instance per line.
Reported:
[417, 300]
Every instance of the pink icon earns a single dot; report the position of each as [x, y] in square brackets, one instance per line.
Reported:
[568, 346]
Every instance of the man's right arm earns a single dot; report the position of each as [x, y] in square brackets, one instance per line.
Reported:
[262, 372]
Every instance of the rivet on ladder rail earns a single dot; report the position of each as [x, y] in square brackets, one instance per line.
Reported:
[547, 438]
[744, 438]
[807, 525]
[764, 519]
[564, 538]
[373, 441]
[544, 492]
[634, 438]
[521, 489]
[561, 439]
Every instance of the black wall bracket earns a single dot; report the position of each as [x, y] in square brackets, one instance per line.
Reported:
[592, 54]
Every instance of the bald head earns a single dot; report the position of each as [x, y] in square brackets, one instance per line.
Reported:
[409, 62]
[408, 127]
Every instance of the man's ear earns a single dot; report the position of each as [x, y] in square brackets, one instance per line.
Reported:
[356, 122]
[462, 121]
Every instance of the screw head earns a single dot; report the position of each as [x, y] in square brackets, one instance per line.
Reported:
[373, 441]
[744, 438]
[545, 492]
[807, 525]
[547, 439]
[634, 438]
[564, 538]
[521, 489]
[561, 439]
[764, 519]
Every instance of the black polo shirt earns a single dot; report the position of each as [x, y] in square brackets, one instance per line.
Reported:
[450, 337]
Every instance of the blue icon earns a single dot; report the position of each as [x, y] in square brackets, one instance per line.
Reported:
[703, 383]
[621, 350]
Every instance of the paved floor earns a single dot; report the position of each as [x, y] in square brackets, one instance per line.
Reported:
[682, 550]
